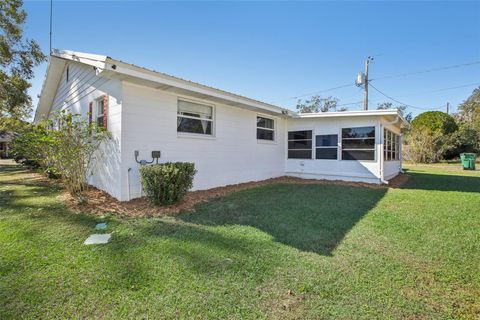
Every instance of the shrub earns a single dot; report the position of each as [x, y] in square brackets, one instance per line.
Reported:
[62, 147]
[167, 183]
[423, 147]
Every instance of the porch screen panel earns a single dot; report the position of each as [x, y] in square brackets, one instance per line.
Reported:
[300, 144]
[358, 143]
[326, 146]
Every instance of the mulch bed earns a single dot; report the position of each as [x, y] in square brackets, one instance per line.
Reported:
[99, 202]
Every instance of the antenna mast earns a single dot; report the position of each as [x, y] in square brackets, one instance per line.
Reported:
[51, 12]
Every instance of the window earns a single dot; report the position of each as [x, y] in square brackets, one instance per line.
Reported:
[391, 146]
[194, 117]
[265, 129]
[326, 146]
[358, 143]
[300, 144]
[100, 111]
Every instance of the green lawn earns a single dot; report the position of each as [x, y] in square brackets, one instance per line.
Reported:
[278, 251]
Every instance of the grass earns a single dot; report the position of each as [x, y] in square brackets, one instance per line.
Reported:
[277, 251]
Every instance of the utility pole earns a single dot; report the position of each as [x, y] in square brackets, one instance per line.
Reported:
[365, 97]
[448, 105]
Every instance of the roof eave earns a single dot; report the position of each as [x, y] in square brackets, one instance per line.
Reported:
[362, 113]
[165, 80]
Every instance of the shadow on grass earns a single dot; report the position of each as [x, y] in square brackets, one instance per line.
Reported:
[312, 218]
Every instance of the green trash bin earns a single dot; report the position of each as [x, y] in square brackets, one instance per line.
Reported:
[468, 160]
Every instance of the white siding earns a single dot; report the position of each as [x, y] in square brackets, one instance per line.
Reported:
[365, 171]
[232, 156]
[82, 87]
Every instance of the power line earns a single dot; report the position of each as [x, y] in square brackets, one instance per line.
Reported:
[443, 89]
[429, 70]
[385, 77]
[402, 103]
[349, 103]
[315, 92]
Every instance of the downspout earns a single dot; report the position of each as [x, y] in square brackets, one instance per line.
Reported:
[382, 160]
[128, 183]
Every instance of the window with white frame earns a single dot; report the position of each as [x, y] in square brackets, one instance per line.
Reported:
[326, 146]
[358, 143]
[300, 144]
[193, 117]
[100, 111]
[391, 146]
[265, 129]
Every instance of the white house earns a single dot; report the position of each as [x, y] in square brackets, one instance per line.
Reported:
[230, 138]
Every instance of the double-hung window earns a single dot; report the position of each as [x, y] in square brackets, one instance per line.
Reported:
[300, 144]
[326, 146]
[265, 129]
[194, 117]
[100, 111]
[391, 146]
[358, 143]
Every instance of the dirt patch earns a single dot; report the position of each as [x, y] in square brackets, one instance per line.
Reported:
[398, 181]
[100, 202]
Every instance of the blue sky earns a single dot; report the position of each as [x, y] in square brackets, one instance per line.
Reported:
[276, 51]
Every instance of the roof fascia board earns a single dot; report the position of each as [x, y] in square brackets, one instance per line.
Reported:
[85, 58]
[391, 112]
[161, 78]
[51, 80]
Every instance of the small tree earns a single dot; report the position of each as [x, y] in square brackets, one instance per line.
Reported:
[72, 147]
[432, 137]
[63, 146]
[421, 146]
[469, 110]
[34, 147]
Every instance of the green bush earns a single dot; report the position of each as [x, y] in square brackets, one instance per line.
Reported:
[167, 183]
[435, 122]
[63, 147]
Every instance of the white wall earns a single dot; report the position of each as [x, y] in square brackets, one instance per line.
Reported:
[232, 156]
[82, 87]
[366, 171]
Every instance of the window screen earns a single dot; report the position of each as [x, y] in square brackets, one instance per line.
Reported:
[300, 144]
[358, 143]
[326, 146]
[265, 129]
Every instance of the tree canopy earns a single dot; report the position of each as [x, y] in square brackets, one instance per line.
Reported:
[18, 57]
[402, 109]
[469, 110]
[435, 122]
[318, 104]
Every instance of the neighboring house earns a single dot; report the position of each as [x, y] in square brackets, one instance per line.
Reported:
[230, 138]
[6, 138]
